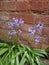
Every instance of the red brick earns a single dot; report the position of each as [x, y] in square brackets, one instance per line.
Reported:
[22, 6]
[4, 35]
[46, 31]
[4, 26]
[9, 0]
[45, 40]
[28, 18]
[1, 5]
[43, 19]
[9, 6]
[39, 6]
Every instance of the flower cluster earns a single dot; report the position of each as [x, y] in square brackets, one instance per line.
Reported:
[38, 29]
[32, 31]
[16, 23]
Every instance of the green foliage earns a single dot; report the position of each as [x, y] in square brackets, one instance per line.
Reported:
[19, 54]
[47, 49]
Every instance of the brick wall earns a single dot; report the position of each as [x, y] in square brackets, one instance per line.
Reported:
[33, 12]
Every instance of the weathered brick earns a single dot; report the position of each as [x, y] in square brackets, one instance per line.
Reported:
[9, 0]
[43, 19]
[4, 16]
[1, 5]
[10, 6]
[4, 35]
[39, 6]
[22, 6]
[46, 31]
[4, 25]
[45, 40]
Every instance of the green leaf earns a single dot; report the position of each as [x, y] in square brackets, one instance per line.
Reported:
[37, 60]
[23, 59]
[32, 60]
[12, 59]
[5, 61]
[3, 50]
[9, 52]
[4, 45]
[22, 63]
[17, 60]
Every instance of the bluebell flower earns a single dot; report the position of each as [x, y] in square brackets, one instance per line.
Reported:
[12, 32]
[21, 22]
[37, 39]
[16, 22]
[31, 31]
[39, 28]
[19, 32]
[10, 25]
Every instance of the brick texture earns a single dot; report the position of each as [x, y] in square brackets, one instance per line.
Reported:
[33, 12]
[46, 31]
[9, 6]
[1, 5]
[39, 6]
[43, 19]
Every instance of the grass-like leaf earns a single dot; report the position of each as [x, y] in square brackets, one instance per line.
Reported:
[3, 50]
[12, 54]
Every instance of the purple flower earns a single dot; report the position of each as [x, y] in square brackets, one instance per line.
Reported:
[12, 32]
[40, 26]
[31, 31]
[21, 22]
[16, 22]
[37, 39]
[10, 25]
[19, 32]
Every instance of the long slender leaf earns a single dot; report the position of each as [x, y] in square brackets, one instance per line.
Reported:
[4, 45]
[17, 60]
[3, 50]
[37, 60]
[23, 59]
